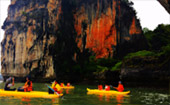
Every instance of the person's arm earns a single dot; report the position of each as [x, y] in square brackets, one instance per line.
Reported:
[13, 81]
[115, 87]
[25, 86]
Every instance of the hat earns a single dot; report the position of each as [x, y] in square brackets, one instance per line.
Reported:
[29, 77]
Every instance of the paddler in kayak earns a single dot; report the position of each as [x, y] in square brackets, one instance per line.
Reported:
[100, 87]
[68, 85]
[28, 85]
[56, 87]
[9, 83]
[120, 87]
[62, 84]
[107, 87]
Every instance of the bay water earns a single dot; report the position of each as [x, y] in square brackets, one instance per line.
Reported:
[79, 96]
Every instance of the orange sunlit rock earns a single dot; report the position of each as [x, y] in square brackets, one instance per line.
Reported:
[101, 34]
[30, 37]
[133, 28]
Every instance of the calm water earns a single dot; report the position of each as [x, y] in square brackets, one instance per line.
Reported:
[79, 96]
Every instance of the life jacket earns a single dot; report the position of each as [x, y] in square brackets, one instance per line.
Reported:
[62, 84]
[56, 87]
[107, 87]
[29, 88]
[100, 87]
[53, 84]
[120, 88]
[68, 84]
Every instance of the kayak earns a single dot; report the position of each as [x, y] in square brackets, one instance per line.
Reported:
[32, 94]
[96, 91]
[67, 87]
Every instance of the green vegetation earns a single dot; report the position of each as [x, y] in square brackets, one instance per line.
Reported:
[140, 53]
[166, 50]
[158, 54]
[158, 41]
[117, 66]
[158, 38]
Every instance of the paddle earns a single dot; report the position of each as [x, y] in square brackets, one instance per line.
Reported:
[113, 87]
[52, 89]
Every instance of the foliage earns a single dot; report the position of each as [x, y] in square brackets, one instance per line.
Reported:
[117, 66]
[140, 53]
[166, 49]
[145, 30]
[101, 68]
[107, 62]
[158, 54]
[159, 37]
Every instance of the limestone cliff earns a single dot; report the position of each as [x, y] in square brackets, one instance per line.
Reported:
[165, 4]
[40, 35]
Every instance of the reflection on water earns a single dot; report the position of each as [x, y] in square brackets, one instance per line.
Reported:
[27, 101]
[55, 101]
[67, 91]
[150, 98]
[120, 99]
[116, 98]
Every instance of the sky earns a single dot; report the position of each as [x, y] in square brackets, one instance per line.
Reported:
[150, 13]
[3, 14]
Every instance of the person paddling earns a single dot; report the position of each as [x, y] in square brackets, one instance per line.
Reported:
[56, 87]
[9, 83]
[28, 85]
[62, 84]
[120, 87]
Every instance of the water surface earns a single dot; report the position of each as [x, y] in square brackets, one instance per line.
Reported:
[79, 96]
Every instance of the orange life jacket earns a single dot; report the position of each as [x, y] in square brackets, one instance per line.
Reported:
[29, 88]
[55, 89]
[68, 84]
[100, 87]
[62, 84]
[120, 88]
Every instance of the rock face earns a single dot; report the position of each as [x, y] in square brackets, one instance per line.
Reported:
[42, 34]
[165, 4]
[151, 71]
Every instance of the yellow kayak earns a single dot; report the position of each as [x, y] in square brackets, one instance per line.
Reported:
[32, 94]
[96, 91]
[67, 87]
